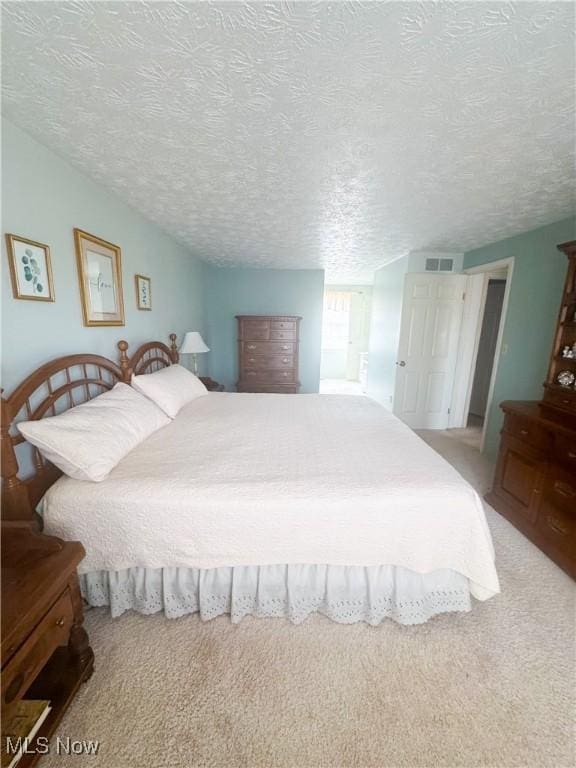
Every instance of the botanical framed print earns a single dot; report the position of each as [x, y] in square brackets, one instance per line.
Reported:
[100, 276]
[30, 269]
[143, 292]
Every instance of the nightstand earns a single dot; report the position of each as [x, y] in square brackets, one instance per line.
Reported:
[211, 385]
[45, 650]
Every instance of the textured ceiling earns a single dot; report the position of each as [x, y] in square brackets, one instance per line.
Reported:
[307, 134]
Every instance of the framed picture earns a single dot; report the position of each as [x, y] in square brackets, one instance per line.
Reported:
[100, 276]
[143, 292]
[30, 269]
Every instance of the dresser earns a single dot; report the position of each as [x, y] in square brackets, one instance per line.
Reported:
[535, 481]
[268, 349]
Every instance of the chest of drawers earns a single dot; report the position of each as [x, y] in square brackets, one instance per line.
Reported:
[535, 481]
[268, 347]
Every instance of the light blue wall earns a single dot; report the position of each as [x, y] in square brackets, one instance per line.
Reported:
[232, 291]
[536, 289]
[43, 199]
[385, 330]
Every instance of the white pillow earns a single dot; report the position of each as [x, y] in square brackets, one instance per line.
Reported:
[87, 441]
[170, 388]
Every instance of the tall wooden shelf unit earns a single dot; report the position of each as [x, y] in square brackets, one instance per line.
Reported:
[535, 481]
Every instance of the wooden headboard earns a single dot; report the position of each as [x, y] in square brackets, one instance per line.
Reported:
[148, 358]
[52, 389]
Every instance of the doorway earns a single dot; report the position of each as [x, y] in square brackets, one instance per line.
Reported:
[485, 357]
[345, 335]
[480, 349]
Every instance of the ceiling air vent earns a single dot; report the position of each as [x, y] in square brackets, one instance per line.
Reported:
[439, 265]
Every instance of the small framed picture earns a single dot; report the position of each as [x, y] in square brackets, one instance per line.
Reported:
[100, 276]
[143, 292]
[30, 269]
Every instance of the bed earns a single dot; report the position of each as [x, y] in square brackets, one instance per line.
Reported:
[272, 505]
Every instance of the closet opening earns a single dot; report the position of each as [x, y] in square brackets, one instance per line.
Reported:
[481, 347]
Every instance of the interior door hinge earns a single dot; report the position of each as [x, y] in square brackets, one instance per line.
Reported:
[464, 296]
[448, 410]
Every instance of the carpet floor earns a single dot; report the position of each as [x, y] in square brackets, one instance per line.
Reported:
[495, 687]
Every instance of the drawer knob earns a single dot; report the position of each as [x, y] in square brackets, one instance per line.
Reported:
[251, 360]
[251, 373]
[251, 346]
[284, 346]
[284, 359]
[61, 621]
[556, 525]
[571, 455]
[284, 374]
[523, 431]
[564, 490]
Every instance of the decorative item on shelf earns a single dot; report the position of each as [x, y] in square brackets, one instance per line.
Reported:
[143, 292]
[30, 269]
[568, 353]
[193, 344]
[565, 378]
[100, 276]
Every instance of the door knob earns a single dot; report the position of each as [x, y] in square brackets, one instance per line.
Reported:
[401, 363]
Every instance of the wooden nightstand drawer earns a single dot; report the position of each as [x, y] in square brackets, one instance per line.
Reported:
[51, 632]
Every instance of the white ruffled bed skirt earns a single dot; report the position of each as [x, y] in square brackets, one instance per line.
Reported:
[345, 594]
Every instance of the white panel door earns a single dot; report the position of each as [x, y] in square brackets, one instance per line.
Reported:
[428, 347]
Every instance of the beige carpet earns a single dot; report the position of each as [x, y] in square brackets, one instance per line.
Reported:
[495, 687]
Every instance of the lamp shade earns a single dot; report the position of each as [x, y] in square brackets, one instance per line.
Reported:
[192, 344]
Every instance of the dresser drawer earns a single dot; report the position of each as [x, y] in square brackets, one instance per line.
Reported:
[268, 348]
[527, 430]
[565, 451]
[273, 377]
[51, 632]
[557, 513]
[560, 398]
[283, 325]
[284, 335]
[281, 389]
[266, 362]
[560, 489]
[255, 331]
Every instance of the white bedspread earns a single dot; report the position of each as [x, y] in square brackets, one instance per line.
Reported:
[260, 479]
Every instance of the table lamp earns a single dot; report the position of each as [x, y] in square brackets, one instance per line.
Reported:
[193, 344]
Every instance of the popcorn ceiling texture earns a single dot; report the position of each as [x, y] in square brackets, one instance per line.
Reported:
[335, 135]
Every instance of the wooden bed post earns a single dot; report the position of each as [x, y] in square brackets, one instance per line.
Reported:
[15, 500]
[173, 348]
[124, 366]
